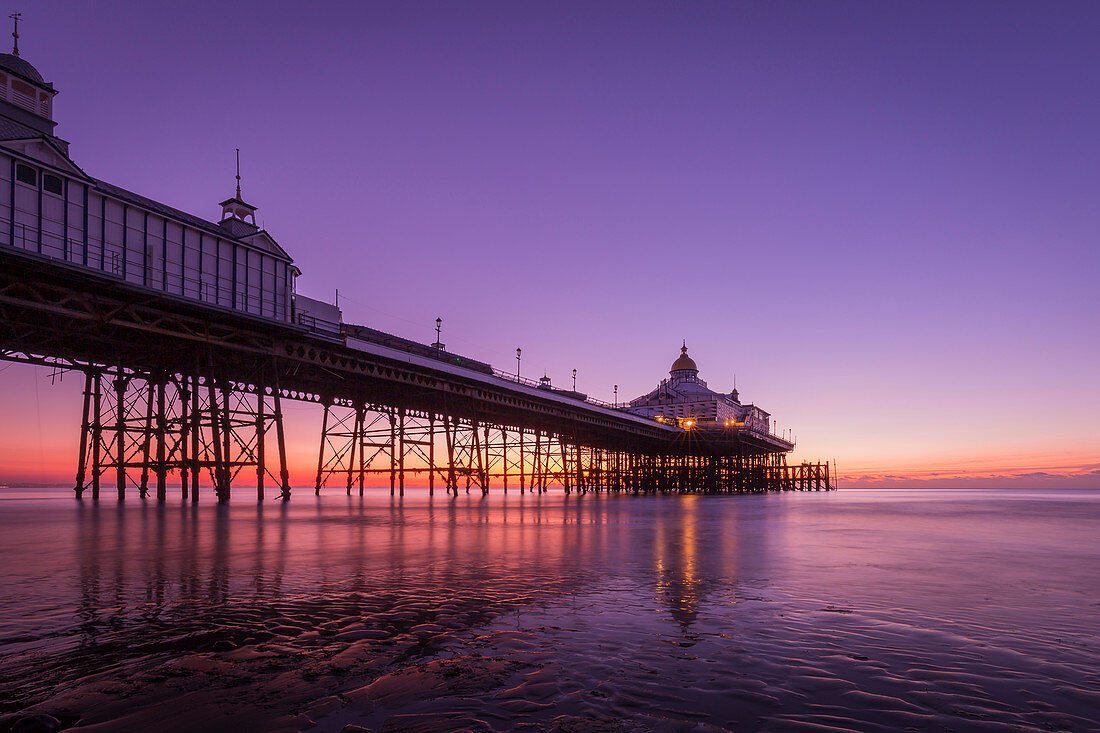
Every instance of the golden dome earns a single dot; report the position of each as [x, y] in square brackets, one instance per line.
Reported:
[684, 362]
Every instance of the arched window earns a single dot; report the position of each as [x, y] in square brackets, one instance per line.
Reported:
[26, 174]
[53, 184]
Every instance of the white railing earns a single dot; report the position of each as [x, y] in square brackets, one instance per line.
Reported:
[509, 377]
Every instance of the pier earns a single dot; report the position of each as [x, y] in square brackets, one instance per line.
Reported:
[180, 388]
[190, 337]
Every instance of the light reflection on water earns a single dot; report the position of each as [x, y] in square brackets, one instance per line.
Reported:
[738, 612]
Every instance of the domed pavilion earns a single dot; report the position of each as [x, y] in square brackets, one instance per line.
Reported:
[684, 397]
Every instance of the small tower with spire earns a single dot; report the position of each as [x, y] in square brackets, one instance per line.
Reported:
[238, 216]
[25, 97]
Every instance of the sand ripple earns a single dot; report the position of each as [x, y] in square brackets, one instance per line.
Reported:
[609, 615]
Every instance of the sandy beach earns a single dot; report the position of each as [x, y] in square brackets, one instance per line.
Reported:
[773, 613]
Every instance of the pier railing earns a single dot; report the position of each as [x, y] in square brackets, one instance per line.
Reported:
[509, 377]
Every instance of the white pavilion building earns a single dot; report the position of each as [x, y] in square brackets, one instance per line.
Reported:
[685, 397]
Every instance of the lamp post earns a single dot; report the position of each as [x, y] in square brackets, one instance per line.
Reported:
[616, 395]
[438, 326]
[574, 380]
[519, 352]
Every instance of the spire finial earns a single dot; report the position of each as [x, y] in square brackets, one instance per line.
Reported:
[15, 33]
[239, 173]
[684, 348]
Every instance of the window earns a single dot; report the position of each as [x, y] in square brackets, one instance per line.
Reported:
[53, 184]
[22, 94]
[26, 174]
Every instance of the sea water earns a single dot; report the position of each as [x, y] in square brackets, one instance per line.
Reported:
[925, 610]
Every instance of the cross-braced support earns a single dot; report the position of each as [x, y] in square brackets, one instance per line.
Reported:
[363, 442]
[356, 441]
[141, 425]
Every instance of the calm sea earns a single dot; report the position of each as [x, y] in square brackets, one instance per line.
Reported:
[865, 610]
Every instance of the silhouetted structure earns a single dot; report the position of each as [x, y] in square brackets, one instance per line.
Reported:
[190, 336]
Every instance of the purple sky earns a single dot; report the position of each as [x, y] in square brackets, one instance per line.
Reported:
[881, 216]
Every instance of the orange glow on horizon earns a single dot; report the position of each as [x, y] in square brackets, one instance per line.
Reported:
[39, 444]
[58, 468]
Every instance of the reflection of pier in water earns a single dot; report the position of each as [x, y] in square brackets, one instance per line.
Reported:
[687, 559]
[165, 565]
[173, 567]
[143, 584]
[676, 558]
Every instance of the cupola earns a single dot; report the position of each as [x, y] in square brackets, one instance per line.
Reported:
[24, 95]
[237, 216]
[684, 367]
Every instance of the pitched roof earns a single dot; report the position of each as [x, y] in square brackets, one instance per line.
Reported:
[262, 239]
[168, 211]
[238, 228]
[12, 130]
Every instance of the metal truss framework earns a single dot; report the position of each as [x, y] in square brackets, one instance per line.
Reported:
[366, 445]
[176, 388]
[141, 427]
[138, 425]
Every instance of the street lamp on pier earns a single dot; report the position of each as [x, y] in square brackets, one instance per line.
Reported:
[438, 341]
[574, 380]
[616, 395]
[519, 352]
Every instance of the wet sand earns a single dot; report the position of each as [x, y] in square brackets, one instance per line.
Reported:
[924, 611]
